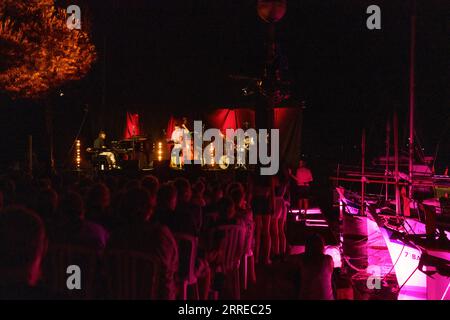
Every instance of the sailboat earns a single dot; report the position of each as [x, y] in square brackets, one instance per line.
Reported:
[415, 225]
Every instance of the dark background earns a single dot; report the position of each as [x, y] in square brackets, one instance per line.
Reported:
[160, 57]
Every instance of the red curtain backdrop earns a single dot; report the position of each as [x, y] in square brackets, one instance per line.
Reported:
[170, 127]
[224, 119]
[287, 120]
[132, 125]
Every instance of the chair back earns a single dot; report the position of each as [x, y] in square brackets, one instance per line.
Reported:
[232, 246]
[131, 275]
[187, 254]
[57, 275]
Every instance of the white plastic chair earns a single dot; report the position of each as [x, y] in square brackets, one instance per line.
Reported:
[248, 255]
[59, 257]
[233, 248]
[132, 275]
[187, 253]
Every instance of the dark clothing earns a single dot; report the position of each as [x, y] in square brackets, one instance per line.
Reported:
[102, 217]
[154, 240]
[261, 205]
[83, 233]
[187, 219]
[261, 201]
[24, 292]
[303, 192]
[166, 217]
[99, 143]
[316, 274]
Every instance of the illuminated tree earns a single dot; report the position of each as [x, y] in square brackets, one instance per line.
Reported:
[38, 52]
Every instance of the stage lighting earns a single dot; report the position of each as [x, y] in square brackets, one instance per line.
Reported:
[211, 152]
[160, 151]
[78, 154]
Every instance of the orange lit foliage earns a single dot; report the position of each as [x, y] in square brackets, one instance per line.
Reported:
[37, 50]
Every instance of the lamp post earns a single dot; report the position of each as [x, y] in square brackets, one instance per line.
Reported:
[271, 12]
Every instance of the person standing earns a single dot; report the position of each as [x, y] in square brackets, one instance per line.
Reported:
[262, 206]
[176, 152]
[303, 177]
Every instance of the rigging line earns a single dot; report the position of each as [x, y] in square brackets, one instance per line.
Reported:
[418, 146]
[78, 133]
[399, 289]
[446, 290]
[393, 266]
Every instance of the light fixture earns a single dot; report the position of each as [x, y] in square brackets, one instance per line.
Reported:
[78, 154]
[160, 150]
[211, 153]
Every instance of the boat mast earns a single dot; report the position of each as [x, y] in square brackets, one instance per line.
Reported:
[412, 96]
[363, 170]
[396, 176]
[386, 172]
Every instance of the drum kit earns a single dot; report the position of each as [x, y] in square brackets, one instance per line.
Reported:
[189, 152]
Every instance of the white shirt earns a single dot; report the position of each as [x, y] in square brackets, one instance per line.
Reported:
[177, 136]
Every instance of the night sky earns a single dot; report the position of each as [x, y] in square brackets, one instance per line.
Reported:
[163, 57]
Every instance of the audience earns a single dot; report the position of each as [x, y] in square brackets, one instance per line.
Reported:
[151, 183]
[77, 230]
[46, 206]
[315, 271]
[22, 247]
[262, 204]
[281, 184]
[7, 188]
[188, 216]
[140, 233]
[97, 205]
[110, 213]
[198, 192]
[166, 204]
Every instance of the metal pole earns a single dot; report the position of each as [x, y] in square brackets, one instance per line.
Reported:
[388, 140]
[363, 169]
[412, 96]
[396, 176]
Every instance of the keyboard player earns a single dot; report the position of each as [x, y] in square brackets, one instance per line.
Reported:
[100, 147]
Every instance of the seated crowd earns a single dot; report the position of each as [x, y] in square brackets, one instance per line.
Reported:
[136, 215]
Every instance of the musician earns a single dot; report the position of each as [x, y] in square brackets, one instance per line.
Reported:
[184, 125]
[100, 147]
[177, 139]
[99, 143]
[303, 177]
[248, 142]
[187, 148]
